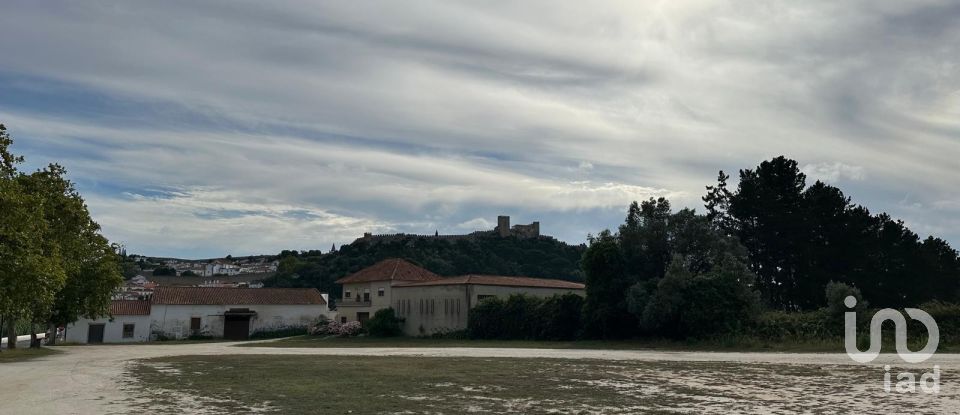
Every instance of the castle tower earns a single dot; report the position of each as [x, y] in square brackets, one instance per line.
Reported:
[503, 226]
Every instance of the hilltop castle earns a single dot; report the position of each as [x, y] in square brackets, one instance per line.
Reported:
[503, 230]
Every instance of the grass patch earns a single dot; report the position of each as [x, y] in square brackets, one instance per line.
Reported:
[653, 344]
[22, 354]
[435, 385]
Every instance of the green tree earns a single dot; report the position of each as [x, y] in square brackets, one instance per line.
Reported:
[385, 323]
[605, 311]
[66, 269]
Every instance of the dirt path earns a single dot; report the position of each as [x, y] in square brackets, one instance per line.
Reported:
[90, 379]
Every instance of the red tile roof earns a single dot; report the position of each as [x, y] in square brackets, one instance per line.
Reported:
[236, 296]
[501, 281]
[130, 308]
[393, 269]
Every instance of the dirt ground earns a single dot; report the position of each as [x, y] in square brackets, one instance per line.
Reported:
[92, 379]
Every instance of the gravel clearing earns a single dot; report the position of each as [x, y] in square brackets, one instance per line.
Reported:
[91, 379]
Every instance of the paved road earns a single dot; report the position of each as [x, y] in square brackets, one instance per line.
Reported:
[89, 379]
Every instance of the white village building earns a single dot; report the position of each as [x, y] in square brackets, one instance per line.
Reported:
[181, 312]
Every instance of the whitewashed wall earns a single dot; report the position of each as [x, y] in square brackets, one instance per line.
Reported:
[112, 331]
[173, 321]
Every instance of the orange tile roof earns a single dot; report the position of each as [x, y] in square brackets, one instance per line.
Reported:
[393, 269]
[236, 296]
[501, 281]
[130, 308]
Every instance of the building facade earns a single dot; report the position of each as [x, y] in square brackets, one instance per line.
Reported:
[371, 289]
[128, 322]
[442, 306]
[427, 302]
[182, 312]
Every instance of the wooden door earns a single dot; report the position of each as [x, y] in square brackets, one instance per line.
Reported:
[95, 333]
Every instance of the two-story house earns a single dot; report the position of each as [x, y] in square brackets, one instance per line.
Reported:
[370, 289]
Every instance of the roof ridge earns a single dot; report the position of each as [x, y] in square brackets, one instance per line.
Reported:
[396, 266]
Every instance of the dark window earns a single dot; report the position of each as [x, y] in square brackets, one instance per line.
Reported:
[380, 292]
[195, 323]
[366, 295]
[343, 320]
[346, 294]
[128, 331]
[363, 317]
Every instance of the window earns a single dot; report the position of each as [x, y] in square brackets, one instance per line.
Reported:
[458, 306]
[128, 331]
[366, 295]
[380, 292]
[343, 320]
[446, 306]
[432, 309]
[346, 294]
[195, 324]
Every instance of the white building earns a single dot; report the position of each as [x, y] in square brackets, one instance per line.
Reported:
[129, 321]
[181, 312]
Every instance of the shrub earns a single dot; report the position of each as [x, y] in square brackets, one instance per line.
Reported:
[559, 317]
[385, 323]
[705, 305]
[485, 320]
[350, 329]
[837, 292]
[524, 317]
[325, 327]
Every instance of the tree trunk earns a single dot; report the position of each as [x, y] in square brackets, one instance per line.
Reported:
[12, 334]
[52, 339]
[34, 342]
[1, 329]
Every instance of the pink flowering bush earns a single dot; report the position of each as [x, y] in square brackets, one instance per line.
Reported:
[350, 328]
[335, 328]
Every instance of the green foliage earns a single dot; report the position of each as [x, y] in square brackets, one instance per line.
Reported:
[836, 294]
[559, 317]
[524, 317]
[535, 257]
[189, 273]
[605, 309]
[667, 274]
[164, 271]
[54, 264]
[687, 305]
[800, 238]
[385, 323]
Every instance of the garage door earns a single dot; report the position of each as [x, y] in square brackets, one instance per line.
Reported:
[236, 327]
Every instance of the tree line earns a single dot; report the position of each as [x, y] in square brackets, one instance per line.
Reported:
[55, 266]
[534, 257]
[772, 244]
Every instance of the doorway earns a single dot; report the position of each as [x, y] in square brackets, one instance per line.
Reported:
[95, 333]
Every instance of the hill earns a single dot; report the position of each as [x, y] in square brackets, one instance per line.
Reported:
[542, 257]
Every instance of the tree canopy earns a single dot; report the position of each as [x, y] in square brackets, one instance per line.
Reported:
[535, 257]
[55, 266]
[801, 237]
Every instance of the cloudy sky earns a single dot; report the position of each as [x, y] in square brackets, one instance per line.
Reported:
[242, 127]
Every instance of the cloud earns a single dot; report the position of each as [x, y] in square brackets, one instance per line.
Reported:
[433, 115]
[834, 172]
